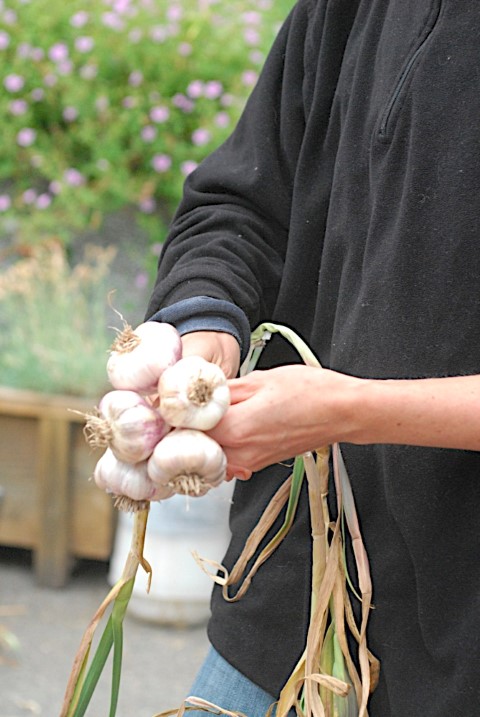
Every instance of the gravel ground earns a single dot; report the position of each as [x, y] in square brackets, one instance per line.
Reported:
[159, 662]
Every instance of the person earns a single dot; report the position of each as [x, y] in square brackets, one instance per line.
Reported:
[344, 205]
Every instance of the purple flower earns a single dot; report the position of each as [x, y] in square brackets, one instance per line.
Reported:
[142, 279]
[112, 21]
[129, 102]
[88, 72]
[37, 94]
[10, 17]
[55, 187]
[5, 202]
[13, 83]
[249, 78]
[227, 100]
[148, 133]
[201, 136]
[188, 167]
[183, 102]
[43, 201]
[79, 19]
[222, 119]
[73, 177]
[65, 67]
[135, 78]
[174, 13]
[159, 33]
[24, 50]
[195, 89]
[159, 114]
[26, 137]
[121, 6]
[156, 248]
[18, 107]
[251, 36]
[185, 49]
[147, 206]
[29, 196]
[84, 43]
[58, 52]
[37, 54]
[252, 18]
[161, 162]
[4, 40]
[256, 57]
[213, 89]
[50, 80]
[70, 114]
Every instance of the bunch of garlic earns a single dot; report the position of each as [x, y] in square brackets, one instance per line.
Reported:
[152, 424]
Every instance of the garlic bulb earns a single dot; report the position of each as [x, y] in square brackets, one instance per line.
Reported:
[129, 482]
[138, 357]
[128, 424]
[193, 393]
[187, 461]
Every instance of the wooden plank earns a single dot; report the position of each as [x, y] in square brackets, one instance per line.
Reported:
[52, 556]
[18, 465]
[18, 402]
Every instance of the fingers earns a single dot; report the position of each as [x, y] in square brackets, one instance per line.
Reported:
[241, 388]
[237, 472]
[214, 346]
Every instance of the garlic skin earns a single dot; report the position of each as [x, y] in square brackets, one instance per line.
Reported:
[187, 461]
[126, 423]
[193, 394]
[138, 357]
[129, 482]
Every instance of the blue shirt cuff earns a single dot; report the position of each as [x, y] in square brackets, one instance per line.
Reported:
[203, 313]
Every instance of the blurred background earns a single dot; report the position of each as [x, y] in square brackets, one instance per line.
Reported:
[105, 107]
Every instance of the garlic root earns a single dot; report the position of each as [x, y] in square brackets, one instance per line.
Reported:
[193, 394]
[188, 462]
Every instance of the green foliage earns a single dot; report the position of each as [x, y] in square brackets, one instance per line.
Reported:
[53, 322]
[111, 103]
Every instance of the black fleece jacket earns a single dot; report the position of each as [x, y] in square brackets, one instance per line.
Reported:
[346, 205]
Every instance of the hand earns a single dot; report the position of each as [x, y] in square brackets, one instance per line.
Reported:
[283, 412]
[214, 346]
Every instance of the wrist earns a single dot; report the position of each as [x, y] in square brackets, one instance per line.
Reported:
[366, 414]
[354, 409]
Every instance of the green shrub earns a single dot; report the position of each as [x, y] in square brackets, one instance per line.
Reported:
[110, 103]
[53, 321]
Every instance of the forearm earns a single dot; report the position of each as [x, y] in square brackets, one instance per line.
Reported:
[435, 412]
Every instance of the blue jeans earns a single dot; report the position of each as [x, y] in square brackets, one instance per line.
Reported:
[220, 683]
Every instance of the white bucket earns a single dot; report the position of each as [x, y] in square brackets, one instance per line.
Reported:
[180, 591]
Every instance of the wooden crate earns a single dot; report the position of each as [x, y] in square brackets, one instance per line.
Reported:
[49, 504]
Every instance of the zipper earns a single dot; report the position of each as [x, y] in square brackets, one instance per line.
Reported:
[386, 121]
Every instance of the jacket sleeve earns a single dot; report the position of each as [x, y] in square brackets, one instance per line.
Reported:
[229, 236]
